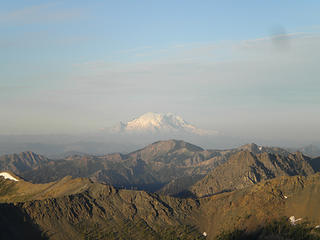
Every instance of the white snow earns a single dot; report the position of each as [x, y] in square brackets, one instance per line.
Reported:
[204, 234]
[155, 122]
[8, 176]
[293, 220]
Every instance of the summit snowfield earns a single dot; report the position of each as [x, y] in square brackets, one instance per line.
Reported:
[159, 123]
[8, 176]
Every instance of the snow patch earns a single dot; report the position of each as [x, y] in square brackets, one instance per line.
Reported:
[8, 176]
[293, 220]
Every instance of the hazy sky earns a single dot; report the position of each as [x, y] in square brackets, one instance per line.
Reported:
[244, 68]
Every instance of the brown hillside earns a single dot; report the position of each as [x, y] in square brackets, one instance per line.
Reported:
[245, 168]
[99, 211]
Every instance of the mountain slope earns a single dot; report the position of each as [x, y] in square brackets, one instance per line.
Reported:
[252, 207]
[246, 168]
[22, 162]
[103, 212]
[169, 166]
[15, 224]
[79, 208]
[149, 168]
[16, 191]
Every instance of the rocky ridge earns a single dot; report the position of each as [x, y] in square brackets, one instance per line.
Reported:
[83, 209]
[246, 168]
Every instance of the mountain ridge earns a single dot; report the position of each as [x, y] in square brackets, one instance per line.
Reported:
[246, 168]
[170, 167]
[99, 211]
[23, 161]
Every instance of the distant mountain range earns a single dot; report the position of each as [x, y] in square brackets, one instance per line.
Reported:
[124, 137]
[309, 150]
[129, 136]
[171, 167]
[149, 168]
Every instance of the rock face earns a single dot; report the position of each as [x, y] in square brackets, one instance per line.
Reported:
[246, 168]
[21, 162]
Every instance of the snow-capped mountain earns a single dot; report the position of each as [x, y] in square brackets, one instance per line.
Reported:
[159, 123]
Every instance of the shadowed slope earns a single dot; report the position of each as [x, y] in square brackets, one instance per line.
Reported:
[79, 208]
[252, 207]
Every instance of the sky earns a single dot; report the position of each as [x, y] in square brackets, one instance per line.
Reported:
[243, 68]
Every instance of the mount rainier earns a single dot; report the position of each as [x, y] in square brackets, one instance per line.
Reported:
[159, 123]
